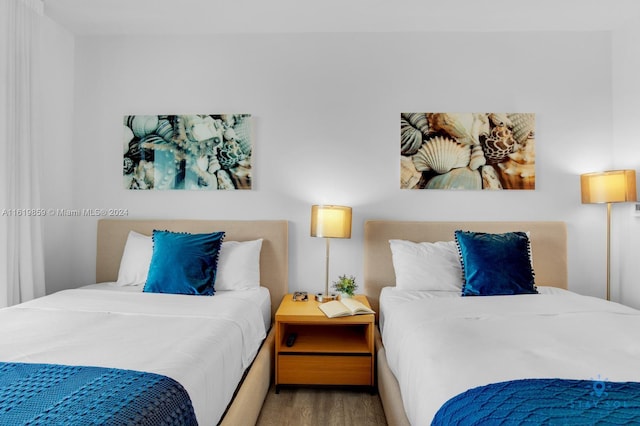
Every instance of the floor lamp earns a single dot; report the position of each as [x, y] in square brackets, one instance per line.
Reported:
[613, 186]
[329, 222]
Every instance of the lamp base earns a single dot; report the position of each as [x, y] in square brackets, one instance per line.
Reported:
[321, 297]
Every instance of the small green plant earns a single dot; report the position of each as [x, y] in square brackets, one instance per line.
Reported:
[346, 284]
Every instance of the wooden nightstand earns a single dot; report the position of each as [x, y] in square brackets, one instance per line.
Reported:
[326, 351]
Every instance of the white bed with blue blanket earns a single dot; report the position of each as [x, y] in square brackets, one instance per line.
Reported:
[538, 354]
[117, 352]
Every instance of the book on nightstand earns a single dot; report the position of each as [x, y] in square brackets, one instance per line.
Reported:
[344, 308]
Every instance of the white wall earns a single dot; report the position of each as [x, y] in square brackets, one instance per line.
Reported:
[626, 90]
[326, 130]
[56, 167]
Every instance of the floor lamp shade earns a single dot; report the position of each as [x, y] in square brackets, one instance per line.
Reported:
[612, 186]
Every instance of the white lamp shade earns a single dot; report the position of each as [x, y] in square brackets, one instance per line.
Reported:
[330, 221]
[613, 186]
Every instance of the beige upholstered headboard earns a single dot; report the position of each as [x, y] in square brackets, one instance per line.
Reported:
[548, 246]
[274, 257]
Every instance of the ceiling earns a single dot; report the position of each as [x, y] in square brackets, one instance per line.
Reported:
[111, 17]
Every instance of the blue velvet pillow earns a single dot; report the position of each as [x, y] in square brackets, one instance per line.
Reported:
[495, 264]
[183, 263]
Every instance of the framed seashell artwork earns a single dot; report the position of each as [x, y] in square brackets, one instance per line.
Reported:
[187, 152]
[468, 151]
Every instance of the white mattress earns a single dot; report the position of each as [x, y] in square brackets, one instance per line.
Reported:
[440, 344]
[205, 343]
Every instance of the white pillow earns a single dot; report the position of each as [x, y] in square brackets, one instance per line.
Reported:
[239, 265]
[136, 259]
[426, 266]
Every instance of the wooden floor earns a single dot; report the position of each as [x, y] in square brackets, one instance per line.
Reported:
[321, 407]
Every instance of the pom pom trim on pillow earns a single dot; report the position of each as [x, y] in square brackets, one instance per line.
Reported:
[184, 263]
[495, 264]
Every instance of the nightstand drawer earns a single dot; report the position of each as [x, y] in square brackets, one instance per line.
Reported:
[325, 370]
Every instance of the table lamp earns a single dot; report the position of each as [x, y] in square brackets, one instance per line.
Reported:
[329, 222]
[612, 186]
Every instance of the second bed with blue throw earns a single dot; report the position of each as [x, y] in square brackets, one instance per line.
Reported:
[474, 310]
[439, 346]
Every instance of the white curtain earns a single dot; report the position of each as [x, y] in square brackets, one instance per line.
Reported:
[21, 249]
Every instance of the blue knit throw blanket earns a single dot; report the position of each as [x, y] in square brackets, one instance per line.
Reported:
[49, 394]
[544, 402]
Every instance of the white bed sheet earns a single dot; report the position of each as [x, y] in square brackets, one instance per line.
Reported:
[259, 295]
[439, 345]
[205, 343]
